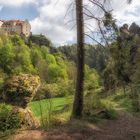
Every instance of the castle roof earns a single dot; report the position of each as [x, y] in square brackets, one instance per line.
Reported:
[9, 22]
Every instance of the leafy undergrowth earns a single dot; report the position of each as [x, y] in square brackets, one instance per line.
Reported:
[98, 109]
[101, 106]
[121, 101]
[9, 121]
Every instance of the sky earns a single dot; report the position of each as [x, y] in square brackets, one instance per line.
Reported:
[56, 20]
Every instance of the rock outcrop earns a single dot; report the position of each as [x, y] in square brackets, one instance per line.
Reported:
[18, 91]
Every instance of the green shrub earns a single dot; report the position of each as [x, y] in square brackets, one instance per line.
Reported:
[55, 72]
[92, 80]
[109, 108]
[9, 120]
[99, 108]
[42, 93]
[60, 89]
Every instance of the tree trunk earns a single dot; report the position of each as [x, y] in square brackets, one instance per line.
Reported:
[78, 100]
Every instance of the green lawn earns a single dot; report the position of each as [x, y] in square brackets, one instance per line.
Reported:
[43, 107]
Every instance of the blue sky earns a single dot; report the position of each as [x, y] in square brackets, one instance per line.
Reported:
[25, 12]
[48, 16]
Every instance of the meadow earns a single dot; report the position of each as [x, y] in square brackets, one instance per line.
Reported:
[52, 105]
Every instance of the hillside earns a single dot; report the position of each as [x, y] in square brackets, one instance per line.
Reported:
[111, 89]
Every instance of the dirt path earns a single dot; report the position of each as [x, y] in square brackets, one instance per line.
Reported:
[126, 127]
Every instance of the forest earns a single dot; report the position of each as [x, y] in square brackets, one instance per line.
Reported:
[82, 91]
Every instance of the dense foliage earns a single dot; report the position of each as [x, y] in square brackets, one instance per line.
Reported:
[123, 61]
[19, 60]
[123, 66]
[56, 71]
[95, 56]
[8, 119]
[40, 40]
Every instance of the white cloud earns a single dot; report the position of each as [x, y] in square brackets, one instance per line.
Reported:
[16, 2]
[52, 23]
[127, 13]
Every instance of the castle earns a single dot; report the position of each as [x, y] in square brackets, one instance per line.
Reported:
[16, 27]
